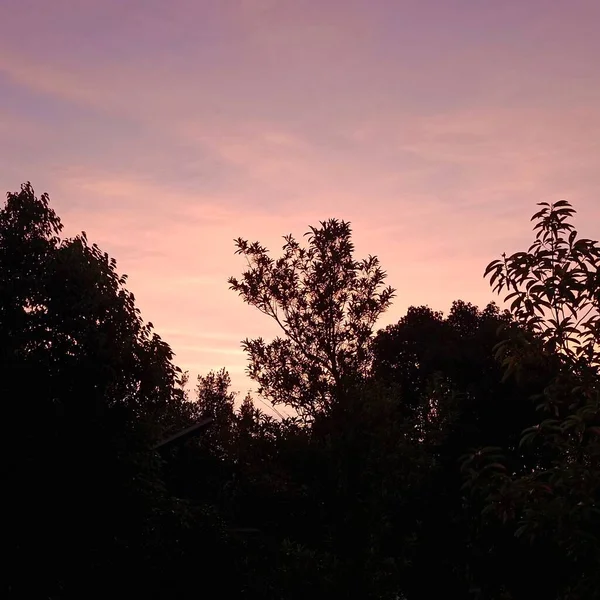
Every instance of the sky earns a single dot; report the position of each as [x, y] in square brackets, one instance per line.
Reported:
[167, 128]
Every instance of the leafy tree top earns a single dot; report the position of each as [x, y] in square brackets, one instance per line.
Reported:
[68, 323]
[554, 286]
[325, 302]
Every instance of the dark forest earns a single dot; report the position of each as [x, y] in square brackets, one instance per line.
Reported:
[450, 455]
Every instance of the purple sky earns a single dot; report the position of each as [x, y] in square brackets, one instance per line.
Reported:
[167, 128]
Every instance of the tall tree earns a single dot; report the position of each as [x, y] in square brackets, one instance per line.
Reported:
[325, 302]
[554, 290]
[446, 381]
[87, 387]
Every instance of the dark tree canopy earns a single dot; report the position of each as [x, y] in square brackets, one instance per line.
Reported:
[447, 455]
[87, 387]
[426, 352]
[67, 317]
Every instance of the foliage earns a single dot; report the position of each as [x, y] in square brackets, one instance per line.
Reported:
[87, 388]
[555, 292]
[449, 384]
[553, 287]
[447, 455]
[326, 304]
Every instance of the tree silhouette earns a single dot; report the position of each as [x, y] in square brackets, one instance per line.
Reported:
[87, 388]
[444, 455]
[554, 289]
[326, 304]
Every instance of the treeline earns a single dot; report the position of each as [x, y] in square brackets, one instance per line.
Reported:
[444, 456]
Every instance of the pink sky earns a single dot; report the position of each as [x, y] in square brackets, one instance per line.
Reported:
[165, 129]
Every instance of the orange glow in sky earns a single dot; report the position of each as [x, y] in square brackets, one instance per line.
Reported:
[166, 129]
